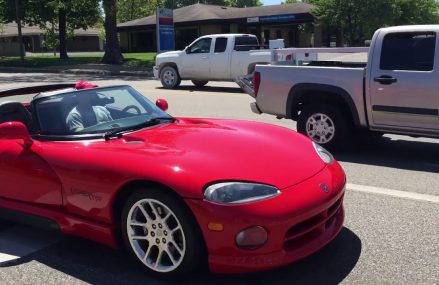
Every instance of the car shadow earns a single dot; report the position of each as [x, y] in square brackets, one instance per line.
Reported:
[97, 264]
[213, 89]
[395, 152]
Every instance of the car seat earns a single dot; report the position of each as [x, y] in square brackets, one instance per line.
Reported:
[15, 111]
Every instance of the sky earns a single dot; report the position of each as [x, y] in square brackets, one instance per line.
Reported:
[271, 2]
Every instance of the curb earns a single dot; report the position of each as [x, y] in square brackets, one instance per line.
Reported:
[141, 73]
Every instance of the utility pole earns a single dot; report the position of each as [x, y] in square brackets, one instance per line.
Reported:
[20, 36]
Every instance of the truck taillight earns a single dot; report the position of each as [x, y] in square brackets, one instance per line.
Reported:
[256, 82]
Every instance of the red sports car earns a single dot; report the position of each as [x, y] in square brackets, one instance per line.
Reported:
[108, 165]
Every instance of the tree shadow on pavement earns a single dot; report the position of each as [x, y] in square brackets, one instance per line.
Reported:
[42, 78]
[395, 152]
[97, 264]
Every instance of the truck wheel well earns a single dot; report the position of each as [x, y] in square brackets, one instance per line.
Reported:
[297, 101]
[169, 64]
[310, 97]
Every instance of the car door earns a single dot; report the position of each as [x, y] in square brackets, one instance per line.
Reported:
[196, 61]
[220, 59]
[403, 81]
[25, 176]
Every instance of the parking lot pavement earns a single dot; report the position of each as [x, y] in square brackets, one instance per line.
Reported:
[386, 240]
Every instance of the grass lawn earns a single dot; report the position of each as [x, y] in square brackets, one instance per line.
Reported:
[140, 60]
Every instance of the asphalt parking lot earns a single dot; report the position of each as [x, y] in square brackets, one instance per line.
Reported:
[391, 233]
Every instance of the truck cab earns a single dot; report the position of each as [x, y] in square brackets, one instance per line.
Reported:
[221, 57]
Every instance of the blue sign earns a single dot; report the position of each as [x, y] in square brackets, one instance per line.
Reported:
[165, 30]
[277, 18]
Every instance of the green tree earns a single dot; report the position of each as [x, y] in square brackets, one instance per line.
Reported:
[358, 19]
[68, 15]
[243, 3]
[128, 10]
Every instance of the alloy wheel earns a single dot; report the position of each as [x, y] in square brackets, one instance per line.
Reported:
[156, 235]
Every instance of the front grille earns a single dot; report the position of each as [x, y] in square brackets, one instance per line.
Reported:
[311, 228]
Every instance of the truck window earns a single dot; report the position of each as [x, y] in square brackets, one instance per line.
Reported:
[245, 43]
[201, 46]
[408, 51]
[220, 44]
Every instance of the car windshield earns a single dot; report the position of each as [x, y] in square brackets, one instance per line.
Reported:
[95, 111]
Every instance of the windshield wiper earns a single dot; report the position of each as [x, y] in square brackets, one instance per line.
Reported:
[154, 121]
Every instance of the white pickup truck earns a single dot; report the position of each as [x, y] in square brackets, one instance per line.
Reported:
[396, 91]
[221, 57]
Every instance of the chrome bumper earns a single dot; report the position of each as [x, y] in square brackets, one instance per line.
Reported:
[155, 69]
[255, 108]
[246, 84]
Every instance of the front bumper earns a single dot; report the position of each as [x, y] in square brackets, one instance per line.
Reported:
[300, 221]
[155, 69]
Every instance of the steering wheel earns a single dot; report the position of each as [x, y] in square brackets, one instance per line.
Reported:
[124, 110]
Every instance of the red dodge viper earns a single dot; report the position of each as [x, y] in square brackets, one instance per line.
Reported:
[106, 164]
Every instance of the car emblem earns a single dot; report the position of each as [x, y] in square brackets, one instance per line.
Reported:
[324, 187]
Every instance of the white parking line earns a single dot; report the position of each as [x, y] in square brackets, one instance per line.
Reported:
[20, 241]
[394, 193]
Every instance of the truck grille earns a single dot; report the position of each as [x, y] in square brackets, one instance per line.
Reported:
[311, 228]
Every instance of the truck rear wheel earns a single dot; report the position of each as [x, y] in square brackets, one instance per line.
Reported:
[169, 77]
[199, 83]
[325, 125]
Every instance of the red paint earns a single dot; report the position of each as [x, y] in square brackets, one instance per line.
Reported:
[75, 183]
[162, 104]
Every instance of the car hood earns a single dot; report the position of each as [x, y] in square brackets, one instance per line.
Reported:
[169, 54]
[191, 153]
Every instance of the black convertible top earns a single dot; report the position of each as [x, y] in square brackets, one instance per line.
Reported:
[35, 89]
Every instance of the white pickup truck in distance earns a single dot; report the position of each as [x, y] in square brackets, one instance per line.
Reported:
[396, 91]
[221, 57]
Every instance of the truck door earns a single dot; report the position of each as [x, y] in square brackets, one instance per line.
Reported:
[220, 60]
[403, 82]
[195, 64]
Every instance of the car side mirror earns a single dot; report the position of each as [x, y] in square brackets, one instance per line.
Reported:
[162, 104]
[15, 131]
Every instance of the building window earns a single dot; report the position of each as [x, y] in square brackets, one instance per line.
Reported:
[225, 29]
[278, 34]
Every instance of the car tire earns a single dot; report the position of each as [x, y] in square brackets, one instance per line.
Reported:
[199, 83]
[160, 233]
[325, 125]
[169, 77]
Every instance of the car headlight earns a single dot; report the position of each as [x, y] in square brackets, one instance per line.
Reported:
[325, 155]
[239, 192]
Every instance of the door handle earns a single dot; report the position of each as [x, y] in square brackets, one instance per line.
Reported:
[385, 79]
[204, 57]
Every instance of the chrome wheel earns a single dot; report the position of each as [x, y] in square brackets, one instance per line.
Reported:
[156, 235]
[320, 128]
